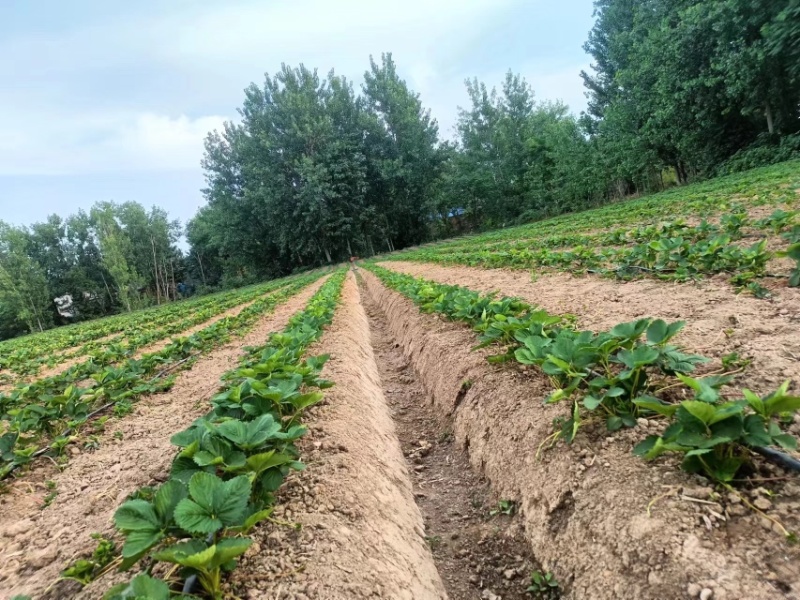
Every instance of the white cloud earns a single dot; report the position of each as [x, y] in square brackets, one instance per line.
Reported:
[65, 110]
[73, 144]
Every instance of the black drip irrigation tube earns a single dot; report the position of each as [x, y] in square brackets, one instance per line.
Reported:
[189, 584]
[191, 580]
[779, 458]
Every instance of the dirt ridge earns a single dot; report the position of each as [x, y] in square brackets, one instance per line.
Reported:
[362, 534]
[585, 505]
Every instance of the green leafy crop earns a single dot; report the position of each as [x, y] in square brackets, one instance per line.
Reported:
[230, 461]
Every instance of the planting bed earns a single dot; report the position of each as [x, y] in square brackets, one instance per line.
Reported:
[718, 321]
[361, 534]
[37, 543]
[585, 505]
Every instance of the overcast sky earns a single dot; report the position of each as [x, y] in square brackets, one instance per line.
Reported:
[108, 100]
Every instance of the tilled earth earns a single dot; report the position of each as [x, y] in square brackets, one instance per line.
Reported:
[480, 553]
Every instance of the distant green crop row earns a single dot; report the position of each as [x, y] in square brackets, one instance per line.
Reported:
[593, 241]
[24, 356]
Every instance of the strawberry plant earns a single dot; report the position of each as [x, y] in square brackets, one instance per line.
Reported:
[543, 586]
[230, 461]
[143, 587]
[714, 437]
[793, 252]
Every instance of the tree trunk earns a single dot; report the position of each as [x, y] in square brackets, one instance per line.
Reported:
[200, 264]
[165, 280]
[327, 254]
[174, 287]
[155, 269]
[349, 249]
[768, 114]
[35, 315]
[108, 289]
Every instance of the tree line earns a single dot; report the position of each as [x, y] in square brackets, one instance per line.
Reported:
[116, 257]
[315, 170]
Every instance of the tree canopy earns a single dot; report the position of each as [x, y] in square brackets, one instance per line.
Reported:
[116, 257]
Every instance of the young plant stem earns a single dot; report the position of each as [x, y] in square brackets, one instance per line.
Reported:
[749, 505]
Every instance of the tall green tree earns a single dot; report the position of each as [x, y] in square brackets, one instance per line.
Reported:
[23, 285]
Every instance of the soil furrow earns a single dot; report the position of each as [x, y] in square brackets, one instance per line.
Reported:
[477, 553]
[719, 321]
[361, 534]
[585, 506]
[37, 543]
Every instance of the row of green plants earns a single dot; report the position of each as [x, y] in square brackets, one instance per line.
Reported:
[228, 466]
[734, 222]
[632, 370]
[673, 251]
[45, 416]
[25, 356]
[776, 186]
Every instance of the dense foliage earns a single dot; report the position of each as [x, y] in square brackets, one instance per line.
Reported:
[679, 90]
[116, 257]
[315, 174]
[686, 85]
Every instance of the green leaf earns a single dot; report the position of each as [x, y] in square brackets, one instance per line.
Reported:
[231, 504]
[700, 410]
[141, 587]
[229, 548]
[755, 432]
[630, 330]
[203, 487]
[196, 518]
[657, 331]
[656, 405]
[781, 404]
[591, 403]
[699, 451]
[136, 515]
[251, 434]
[137, 543]
[784, 440]
[756, 403]
[638, 357]
[259, 463]
[193, 551]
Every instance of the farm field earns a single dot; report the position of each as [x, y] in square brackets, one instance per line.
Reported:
[744, 226]
[600, 405]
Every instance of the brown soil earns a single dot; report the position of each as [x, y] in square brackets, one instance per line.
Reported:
[361, 534]
[37, 543]
[477, 553]
[585, 506]
[719, 321]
